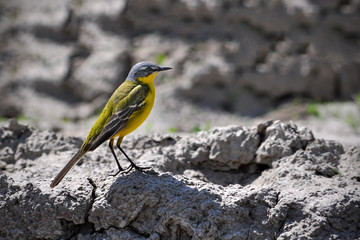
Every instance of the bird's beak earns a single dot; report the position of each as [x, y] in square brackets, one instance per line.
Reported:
[164, 69]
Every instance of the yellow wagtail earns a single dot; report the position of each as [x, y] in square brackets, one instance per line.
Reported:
[126, 110]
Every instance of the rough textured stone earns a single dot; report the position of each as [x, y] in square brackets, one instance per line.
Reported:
[309, 190]
[280, 140]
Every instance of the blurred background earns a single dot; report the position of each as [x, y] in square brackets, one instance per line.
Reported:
[234, 62]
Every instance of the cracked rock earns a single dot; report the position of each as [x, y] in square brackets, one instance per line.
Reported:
[309, 189]
[280, 140]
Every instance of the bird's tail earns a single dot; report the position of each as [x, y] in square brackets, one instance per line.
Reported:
[67, 168]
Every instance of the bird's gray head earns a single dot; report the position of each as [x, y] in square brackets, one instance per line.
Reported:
[143, 70]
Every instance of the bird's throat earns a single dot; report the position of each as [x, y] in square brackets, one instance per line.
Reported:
[149, 79]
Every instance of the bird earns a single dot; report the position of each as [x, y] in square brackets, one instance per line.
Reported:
[126, 110]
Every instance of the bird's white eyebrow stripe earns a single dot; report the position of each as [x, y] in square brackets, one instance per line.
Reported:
[145, 67]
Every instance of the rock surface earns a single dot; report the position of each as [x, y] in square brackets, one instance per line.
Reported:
[271, 181]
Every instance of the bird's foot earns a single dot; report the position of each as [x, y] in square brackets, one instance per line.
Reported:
[128, 169]
[120, 170]
[141, 169]
[114, 175]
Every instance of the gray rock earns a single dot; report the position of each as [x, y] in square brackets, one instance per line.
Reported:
[281, 140]
[222, 148]
[310, 188]
[29, 212]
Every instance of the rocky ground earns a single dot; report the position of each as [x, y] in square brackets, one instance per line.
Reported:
[236, 65]
[270, 181]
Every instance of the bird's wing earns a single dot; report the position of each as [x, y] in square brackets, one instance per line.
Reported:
[133, 102]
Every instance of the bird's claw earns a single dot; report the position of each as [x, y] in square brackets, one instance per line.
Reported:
[141, 169]
[114, 175]
[129, 168]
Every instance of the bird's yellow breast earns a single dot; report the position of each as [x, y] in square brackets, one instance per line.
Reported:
[138, 117]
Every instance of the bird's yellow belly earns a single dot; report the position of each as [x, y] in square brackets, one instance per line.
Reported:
[138, 117]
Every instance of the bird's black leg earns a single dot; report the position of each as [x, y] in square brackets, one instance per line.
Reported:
[133, 165]
[111, 143]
